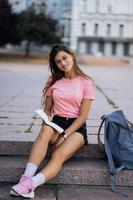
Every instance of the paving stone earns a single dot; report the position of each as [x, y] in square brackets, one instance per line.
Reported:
[37, 122]
[17, 135]
[16, 115]
[92, 139]
[20, 121]
[93, 122]
[35, 129]
[25, 101]
[11, 130]
[17, 108]
[93, 130]
[4, 100]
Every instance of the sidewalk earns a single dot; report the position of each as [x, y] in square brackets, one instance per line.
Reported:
[20, 94]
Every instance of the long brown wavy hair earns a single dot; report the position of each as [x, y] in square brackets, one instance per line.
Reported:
[56, 73]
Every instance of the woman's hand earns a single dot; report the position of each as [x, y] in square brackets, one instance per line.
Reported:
[58, 142]
[50, 118]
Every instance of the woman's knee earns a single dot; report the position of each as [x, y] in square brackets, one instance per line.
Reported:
[46, 133]
[59, 156]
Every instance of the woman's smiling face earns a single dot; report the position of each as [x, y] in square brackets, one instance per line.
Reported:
[64, 61]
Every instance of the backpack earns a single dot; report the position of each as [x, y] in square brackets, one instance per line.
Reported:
[118, 143]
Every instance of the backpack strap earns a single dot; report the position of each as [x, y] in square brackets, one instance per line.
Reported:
[108, 152]
[102, 149]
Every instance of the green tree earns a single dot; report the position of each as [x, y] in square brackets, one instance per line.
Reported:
[37, 27]
[31, 25]
[8, 24]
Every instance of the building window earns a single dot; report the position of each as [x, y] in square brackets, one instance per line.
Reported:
[121, 30]
[96, 27]
[83, 28]
[101, 47]
[84, 6]
[97, 5]
[126, 49]
[109, 8]
[89, 46]
[113, 48]
[108, 29]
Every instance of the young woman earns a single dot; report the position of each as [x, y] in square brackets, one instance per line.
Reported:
[68, 93]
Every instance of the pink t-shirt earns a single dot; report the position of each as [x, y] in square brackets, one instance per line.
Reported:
[69, 93]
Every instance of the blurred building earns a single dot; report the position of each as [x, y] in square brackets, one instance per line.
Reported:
[95, 27]
[61, 10]
[102, 27]
[98, 27]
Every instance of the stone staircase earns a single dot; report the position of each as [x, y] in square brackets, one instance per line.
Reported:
[88, 167]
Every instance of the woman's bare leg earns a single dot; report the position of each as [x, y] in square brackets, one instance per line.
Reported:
[40, 146]
[64, 151]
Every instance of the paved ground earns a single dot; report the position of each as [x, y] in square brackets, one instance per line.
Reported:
[21, 92]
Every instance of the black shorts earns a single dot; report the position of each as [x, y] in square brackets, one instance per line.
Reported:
[65, 122]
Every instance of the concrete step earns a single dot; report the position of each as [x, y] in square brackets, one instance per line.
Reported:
[23, 148]
[46, 192]
[75, 192]
[74, 171]
[72, 192]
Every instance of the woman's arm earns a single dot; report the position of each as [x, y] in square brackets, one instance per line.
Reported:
[48, 106]
[84, 111]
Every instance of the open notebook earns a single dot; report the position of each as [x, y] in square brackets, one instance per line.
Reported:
[44, 116]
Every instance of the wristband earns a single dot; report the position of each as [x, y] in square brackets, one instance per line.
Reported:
[64, 135]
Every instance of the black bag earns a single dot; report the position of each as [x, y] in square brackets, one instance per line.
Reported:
[118, 143]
